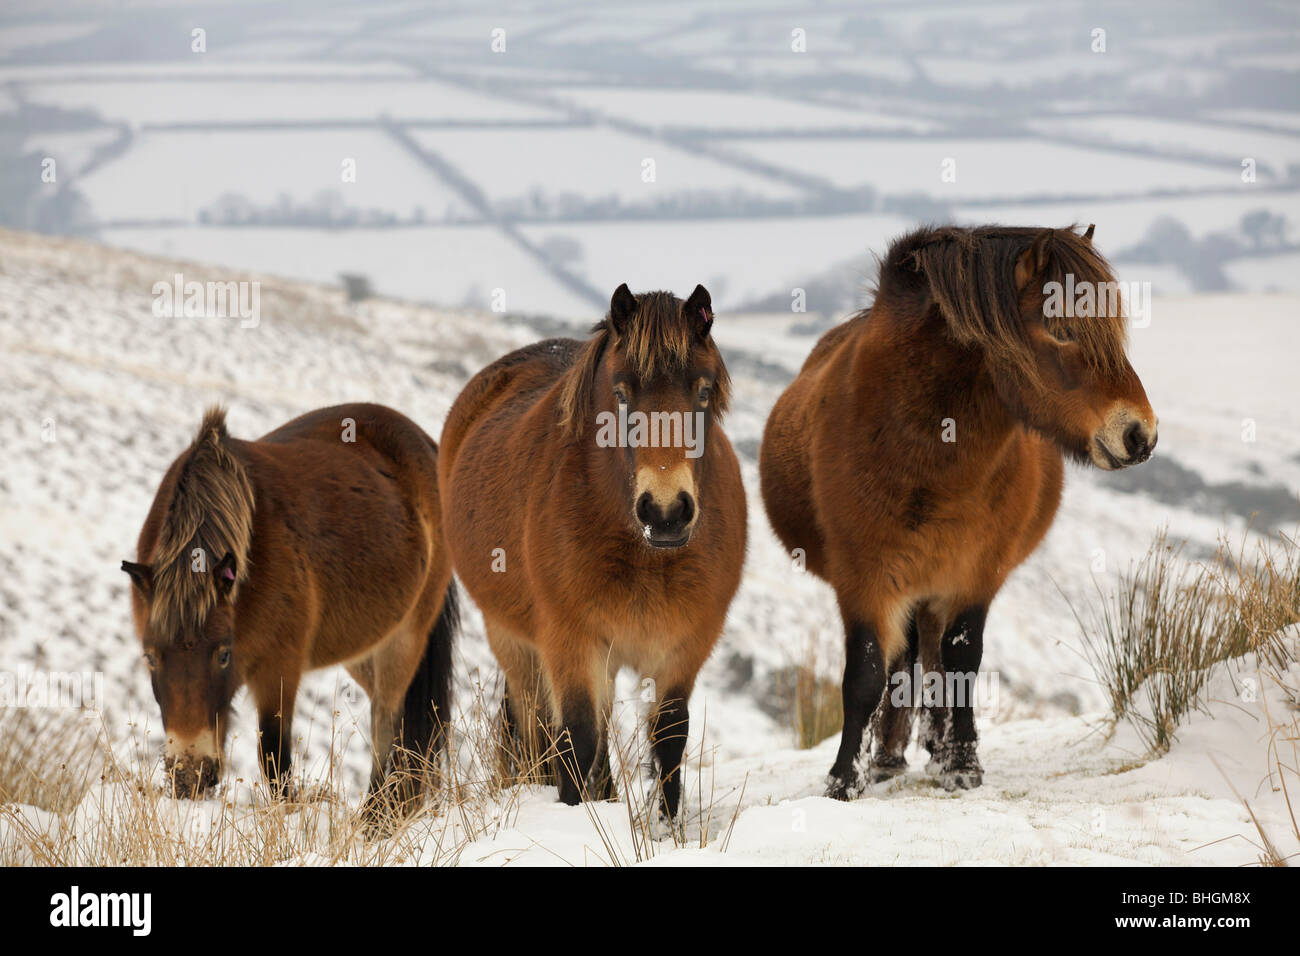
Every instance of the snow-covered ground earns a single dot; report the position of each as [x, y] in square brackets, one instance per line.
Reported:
[99, 395]
[1062, 794]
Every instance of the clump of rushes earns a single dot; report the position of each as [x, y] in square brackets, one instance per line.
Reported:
[812, 700]
[1157, 639]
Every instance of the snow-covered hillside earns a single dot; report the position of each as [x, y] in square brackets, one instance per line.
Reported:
[99, 394]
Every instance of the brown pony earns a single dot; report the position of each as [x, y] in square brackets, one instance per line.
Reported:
[318, 544]
[589, 546]
[917, 459]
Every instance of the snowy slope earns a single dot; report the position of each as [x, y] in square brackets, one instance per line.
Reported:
[81, 348]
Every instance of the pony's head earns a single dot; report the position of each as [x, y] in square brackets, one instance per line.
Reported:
[648, 387]
[183, 601]
[1044, 308]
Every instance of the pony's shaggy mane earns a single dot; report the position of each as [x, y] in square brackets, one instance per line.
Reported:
[969, 274]
[658, 341]
[211, 507]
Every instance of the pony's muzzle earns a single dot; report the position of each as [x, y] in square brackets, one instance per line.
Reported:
[193, 767]
[191, 777]
[1126, 439]
[666, 525]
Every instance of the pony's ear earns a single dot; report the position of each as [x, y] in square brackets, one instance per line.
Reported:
[141, 577]
[699, 309]
[1033, 260]
[622, 307]
[1087, 236]
[225, 574]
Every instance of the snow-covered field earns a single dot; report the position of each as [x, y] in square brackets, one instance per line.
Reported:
[189, 172]
[343, 98]
[99, 395]
[762, 120]
[592, 162]
[692, 109]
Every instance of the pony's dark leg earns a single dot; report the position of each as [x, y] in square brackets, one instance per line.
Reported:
[932, 732]
[576, 745]
[274, 704]
[962, 649]
[668, 730]
[602, 774]
[933, 718]
[512, 741]
[385, 796]
[525, 713]
[275, 752]
[893, 723]
[864, 682]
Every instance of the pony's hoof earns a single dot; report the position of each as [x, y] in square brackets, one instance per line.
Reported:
[660, 824]
[961, 768]
[663, 827]
[840, 788]
[887, 768]
[961, 780]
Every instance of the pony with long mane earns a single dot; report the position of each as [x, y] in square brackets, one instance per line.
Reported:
[595, 513]
[318, 544]
[917, 459]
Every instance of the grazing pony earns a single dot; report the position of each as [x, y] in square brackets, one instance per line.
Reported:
[595, 513]
[918, 458]
[318, 544]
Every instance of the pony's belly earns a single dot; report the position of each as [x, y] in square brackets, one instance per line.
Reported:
[963, 554]
[347, 646]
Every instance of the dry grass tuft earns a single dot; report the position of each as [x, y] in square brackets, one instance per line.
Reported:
[48, 758]
[1155, 643]
[810, 697]
[71, 800]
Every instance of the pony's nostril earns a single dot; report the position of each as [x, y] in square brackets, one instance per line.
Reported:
[1135, 441]
[645, 510]
[685, 509]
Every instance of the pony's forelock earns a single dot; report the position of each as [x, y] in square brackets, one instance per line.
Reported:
[970, 276]
[211, 509]
[658, 340]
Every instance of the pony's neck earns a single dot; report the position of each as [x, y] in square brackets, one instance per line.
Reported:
[940, 393]
[602, 472]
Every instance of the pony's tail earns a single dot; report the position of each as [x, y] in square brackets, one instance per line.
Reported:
[426, 711]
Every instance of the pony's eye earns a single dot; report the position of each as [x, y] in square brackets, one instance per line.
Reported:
[1063, 334]
[223, 658]
[620, 394]
[150, 660]
[706, 392]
